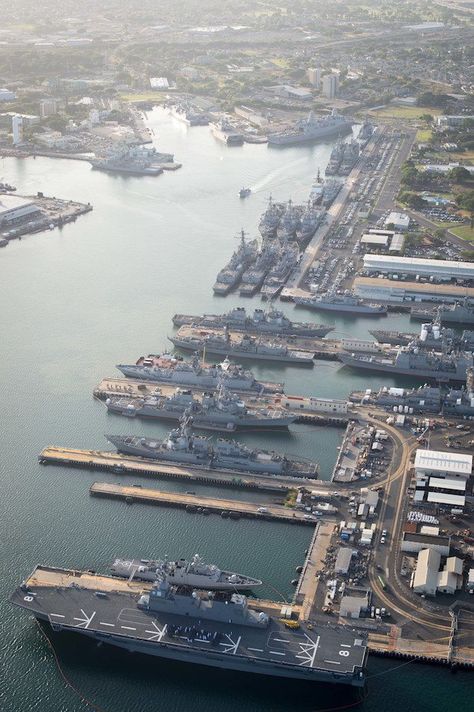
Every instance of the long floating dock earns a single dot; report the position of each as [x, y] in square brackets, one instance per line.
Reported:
[125, 464]
[233, 509]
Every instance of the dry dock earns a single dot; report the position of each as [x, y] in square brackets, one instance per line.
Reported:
[231, 508]
[125, 464]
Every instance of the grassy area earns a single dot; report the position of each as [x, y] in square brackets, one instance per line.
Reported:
[424, 135]
[280, 62]
[465, 232]
[404, 112]
[154, 96]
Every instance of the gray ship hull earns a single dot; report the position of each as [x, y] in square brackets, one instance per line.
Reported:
[363, 310]
[425, 374]
[197, 381]
[291, 357]
[280, 140]
[328, 655]
[296, 329]
[214, 421]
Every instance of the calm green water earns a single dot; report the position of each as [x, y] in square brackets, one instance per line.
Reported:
[102, 291]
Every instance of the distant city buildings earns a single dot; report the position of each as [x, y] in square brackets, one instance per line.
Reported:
[48, 107]
[330, 85]
[17, 129]
[7, 95]
[314, 77]
[159, 83]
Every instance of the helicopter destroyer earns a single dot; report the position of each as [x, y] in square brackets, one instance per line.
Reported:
[246, 347]
[217, 629]
[174, 370]
[182, 446]
[195, 573]
[260, 322]
[217, 411]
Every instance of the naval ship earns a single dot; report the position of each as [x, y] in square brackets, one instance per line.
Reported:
[278, 275]
[230, 276]
[425, 399]
[343, 303]
[289, 222]
[217, 629]
[222, 410]
[459, 313]
[175, 371]
[195, 573]
[412, 361]
[133, 159]
[225, 132]
[310, 221]
[431, 336]
[270, 219]
[247, 347]
[260, 322]
[252, 278]
[312, 129]
[189, 114]
[182, 446]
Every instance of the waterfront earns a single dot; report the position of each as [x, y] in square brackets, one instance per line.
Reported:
[103, 291]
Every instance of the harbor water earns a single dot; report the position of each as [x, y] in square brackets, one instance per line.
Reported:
[102, 291]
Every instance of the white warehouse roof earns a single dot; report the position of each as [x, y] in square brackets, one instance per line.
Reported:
[13, 202]
[419, 265]
[438, 461]
[448, 483]
[439, 498]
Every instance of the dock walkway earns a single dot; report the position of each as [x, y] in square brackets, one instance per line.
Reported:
[126, 464]
[226, 507]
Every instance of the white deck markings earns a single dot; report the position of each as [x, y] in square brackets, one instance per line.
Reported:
[202, 640]
[57, 615]
[256, 650]
[344, 645]
[84, 622]
[157, 633]
[332, 662]
[308, 651]
[275, 652]
[281, 640]
[127, 627]
[110, 625]
[232, 645]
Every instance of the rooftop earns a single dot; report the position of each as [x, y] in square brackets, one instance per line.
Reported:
[420, 262]
[439, 461]
[13, 202]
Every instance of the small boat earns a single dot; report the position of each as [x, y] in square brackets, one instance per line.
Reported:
[244, 192]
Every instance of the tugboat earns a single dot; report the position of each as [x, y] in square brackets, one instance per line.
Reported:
[244, 192]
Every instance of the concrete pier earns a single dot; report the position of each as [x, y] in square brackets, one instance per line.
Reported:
[233, 509]
[125, 464]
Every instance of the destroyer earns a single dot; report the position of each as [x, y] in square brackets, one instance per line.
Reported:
[183, 447]
[221, 630]
[247, 347]
[172, 370]
[270, 219]
[312, 129]
[260, 322]
[230, 276]
[411, 361]
[195, 573]
[343, 303]
[217, 411]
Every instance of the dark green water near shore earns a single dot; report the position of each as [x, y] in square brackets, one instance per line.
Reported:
[102, 291]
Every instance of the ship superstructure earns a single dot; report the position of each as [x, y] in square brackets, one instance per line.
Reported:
[217, 629]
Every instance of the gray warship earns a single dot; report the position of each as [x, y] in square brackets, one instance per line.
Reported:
[289, 223]
[280, 272]
[272, 321]
[312, 129]
[343, 303]
[247, 347]
[431, 336]
[253, 277]
[195, 573]
[217, 629]
[229, 277]
[270, 219]
[459, 313]
[222, 410]
[414, 362]
[174, 370]
[182, 446]
[425, 399]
